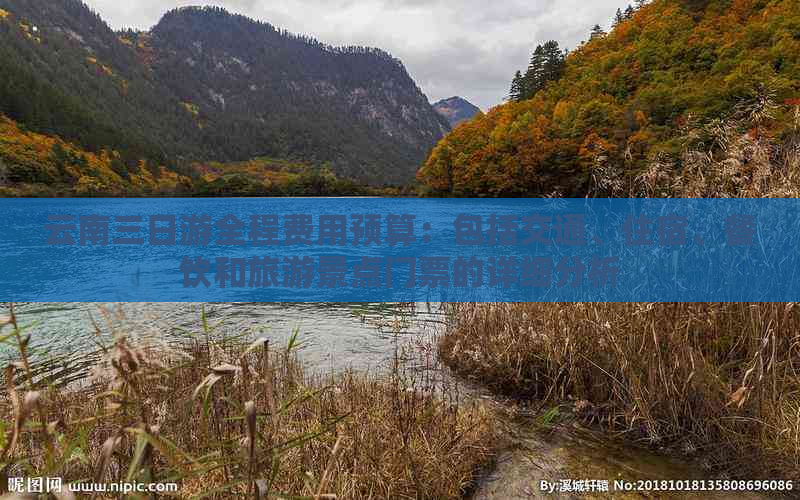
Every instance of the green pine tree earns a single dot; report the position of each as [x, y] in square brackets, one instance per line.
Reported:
[515, 94]
[597, 32]
[532, 81]
[546, 65]
[554, 59]
[619, 17]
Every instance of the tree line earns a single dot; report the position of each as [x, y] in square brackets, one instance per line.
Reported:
[548, 59]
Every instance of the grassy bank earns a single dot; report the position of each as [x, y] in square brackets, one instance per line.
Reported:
[718, 379]
[228, 420]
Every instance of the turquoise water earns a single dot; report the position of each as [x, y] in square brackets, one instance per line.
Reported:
[703, 268]
[334, 336]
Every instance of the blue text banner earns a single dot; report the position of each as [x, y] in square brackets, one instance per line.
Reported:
[399, 250]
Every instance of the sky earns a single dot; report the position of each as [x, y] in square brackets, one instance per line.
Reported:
[469, 48]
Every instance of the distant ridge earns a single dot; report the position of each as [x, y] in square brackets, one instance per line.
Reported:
[456, 110]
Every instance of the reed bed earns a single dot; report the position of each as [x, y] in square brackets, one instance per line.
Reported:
[226, 419]
[738, 155]
[719, 380]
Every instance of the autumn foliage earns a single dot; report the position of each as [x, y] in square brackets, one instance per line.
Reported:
[625, 97]
[33, 164]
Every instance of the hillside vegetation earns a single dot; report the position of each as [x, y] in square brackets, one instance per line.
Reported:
[34, 164]
[675, 81]
[208, 85]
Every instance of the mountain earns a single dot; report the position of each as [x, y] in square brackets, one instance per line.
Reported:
[207, 85]
[456, 110]
[666, 82]
[292, 96]
[64, 72]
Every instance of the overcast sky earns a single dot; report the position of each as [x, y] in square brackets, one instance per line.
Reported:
[469, 48]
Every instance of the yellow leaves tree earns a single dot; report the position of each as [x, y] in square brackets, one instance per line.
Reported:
[622, 96]
[51, 165]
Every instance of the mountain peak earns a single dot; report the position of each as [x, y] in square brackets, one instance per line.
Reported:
[456, 110]
[189, 10]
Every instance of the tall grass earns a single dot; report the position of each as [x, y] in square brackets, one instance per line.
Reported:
[734, 156]
[226, 419]
[721, 379]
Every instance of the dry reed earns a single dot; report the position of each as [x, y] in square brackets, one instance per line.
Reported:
[228, 420]
[721, 379]
[753, 152]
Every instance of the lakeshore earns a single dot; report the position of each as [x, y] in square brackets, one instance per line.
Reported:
[427, 431]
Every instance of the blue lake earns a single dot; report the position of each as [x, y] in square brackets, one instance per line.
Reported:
[705, 268]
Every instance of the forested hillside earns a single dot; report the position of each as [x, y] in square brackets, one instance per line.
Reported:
[33, 164]
[256, 90]
[675, 84]
[39, 165]
[64, 72]
[206, 85]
